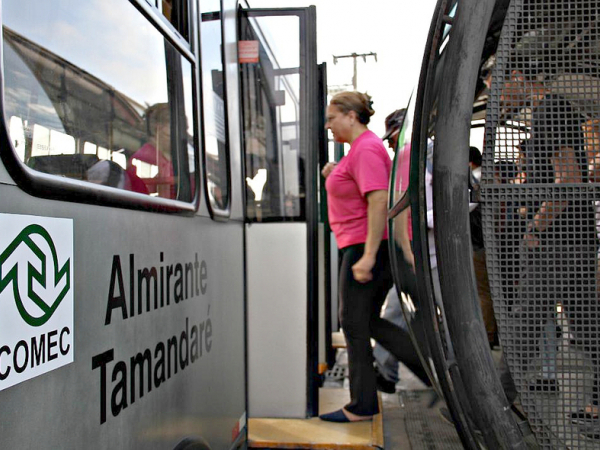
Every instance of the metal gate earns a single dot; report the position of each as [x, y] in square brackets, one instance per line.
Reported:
[540, 200]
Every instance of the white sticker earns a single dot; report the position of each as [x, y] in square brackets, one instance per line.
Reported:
[36, 296]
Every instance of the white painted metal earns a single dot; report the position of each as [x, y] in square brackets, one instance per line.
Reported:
[277, 319]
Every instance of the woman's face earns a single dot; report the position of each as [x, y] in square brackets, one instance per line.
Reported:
[339, 123]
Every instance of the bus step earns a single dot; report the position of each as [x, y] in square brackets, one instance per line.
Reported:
[314, 433]
[338, 340]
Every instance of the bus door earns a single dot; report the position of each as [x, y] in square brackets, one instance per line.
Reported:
[281, 110]
[444, 317]
[538, 196]
[327, 269]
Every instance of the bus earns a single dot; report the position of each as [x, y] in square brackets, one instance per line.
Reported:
[166, 269]
[154, 157]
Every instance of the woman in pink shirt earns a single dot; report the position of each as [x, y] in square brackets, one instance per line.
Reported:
[357, 192]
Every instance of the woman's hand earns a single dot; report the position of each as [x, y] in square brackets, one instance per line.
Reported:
[376, 214]
[362, 269]
[328, 169]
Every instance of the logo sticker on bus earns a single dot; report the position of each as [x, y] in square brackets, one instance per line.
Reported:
[36, 296]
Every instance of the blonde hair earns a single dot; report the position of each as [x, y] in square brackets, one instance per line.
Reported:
[355, 101]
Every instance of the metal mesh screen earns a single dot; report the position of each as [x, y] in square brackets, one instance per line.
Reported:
[541, 209]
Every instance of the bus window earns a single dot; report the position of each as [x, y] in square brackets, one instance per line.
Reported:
[177, 14]
[80, 104]
[216, 152]
[271, 103]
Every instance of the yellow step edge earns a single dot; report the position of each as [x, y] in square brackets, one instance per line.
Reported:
[338, 340]
[314, 433]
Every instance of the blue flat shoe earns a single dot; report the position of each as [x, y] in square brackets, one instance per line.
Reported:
[340, 417]
[336, 416]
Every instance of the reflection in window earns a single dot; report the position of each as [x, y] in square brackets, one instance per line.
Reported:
[17, 132]
[176, 13]
[274, 159]
[402, 158]
[214, 101]
[47, 142]
[92, 109]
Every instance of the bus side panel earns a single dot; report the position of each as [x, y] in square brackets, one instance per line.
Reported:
[193, 333]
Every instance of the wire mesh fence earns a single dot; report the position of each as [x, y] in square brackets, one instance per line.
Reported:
[541, 213]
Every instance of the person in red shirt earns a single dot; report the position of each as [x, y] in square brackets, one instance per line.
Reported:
[357, 192]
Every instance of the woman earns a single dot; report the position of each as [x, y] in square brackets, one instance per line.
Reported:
[357, 201]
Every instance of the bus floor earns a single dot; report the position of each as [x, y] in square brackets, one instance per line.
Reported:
[407, 421]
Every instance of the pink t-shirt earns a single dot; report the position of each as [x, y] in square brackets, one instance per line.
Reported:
[366, 168]
[402, 178]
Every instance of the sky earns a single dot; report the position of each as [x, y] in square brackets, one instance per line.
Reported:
[396, 30]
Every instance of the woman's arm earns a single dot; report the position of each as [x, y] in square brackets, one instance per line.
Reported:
[401, 227]
[377, 218]
[566, 170]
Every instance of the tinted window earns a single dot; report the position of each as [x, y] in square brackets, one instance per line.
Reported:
[271, 101]
[94, 92]
[214, 100]
[177, 14]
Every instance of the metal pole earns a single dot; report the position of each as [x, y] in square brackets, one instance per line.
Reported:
[354, 77]
[355, 71]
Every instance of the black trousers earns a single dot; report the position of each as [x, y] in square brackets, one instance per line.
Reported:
[360, 308]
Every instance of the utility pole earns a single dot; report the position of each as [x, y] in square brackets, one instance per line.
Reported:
[354, 56]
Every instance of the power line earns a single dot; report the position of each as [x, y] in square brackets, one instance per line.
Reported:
[354, 56]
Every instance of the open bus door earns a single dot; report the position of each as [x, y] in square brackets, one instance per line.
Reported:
[539, 224]
[424, 314]
[450, 334]
[281, 132]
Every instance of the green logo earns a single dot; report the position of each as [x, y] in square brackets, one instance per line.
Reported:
[48, 307]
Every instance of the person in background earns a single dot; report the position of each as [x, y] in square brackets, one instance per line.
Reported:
[560, 238]
[393, 124]
[357, 206]
[475, 160]
[386, 365]
[157, 150]
[479, 263]
[591, 133]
